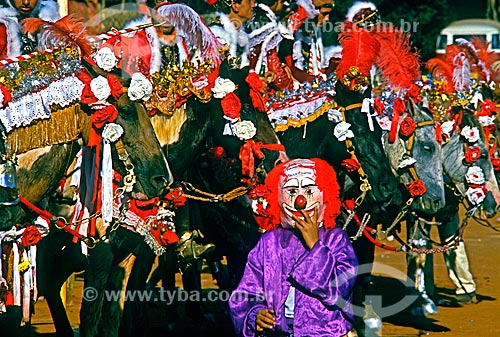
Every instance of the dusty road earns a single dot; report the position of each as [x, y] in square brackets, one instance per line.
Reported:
[453, 320]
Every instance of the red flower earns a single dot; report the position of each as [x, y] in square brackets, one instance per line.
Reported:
[350, 165]
[231, 105]
[176, 197]
[378, 106]
[472, 154]
[115, 86]
[6, 96]
[407, 127]
[416, 188]
[31, 236]
[496, 163]
[488, 108]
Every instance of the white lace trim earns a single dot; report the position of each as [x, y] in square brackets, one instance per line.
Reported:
[37, 105]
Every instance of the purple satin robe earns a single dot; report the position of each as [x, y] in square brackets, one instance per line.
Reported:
[323, 278]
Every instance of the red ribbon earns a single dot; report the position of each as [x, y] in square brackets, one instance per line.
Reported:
[252, 149]
[98, 119]
[399, 108]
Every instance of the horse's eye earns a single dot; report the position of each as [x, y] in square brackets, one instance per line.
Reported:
[428, 148]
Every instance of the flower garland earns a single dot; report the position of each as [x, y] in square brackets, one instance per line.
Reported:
[477, 191]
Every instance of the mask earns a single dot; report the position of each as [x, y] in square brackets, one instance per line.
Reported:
[298, 190]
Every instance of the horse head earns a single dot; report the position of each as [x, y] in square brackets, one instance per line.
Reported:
[368, 147]
[460, 170]
[418, 156]
[139, 149]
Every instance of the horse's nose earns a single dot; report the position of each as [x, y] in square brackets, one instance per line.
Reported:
[160, 183]
[437, 204]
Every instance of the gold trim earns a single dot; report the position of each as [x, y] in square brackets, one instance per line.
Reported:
[311, 118]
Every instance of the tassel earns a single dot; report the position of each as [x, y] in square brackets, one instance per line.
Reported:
[399, 108]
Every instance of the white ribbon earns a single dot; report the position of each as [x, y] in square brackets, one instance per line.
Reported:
[111, 133]
[27, 278]
[32, 257]
[16, 276]
[367, 102]
[228, 130]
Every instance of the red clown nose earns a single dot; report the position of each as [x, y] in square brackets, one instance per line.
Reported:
[300, 202]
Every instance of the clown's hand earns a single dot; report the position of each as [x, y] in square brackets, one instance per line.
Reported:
[308, 227]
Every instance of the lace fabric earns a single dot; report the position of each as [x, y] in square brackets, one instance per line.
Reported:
[37, 105]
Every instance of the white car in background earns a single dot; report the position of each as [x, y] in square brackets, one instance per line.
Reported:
[487, 30]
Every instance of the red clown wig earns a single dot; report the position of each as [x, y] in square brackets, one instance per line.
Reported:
[326, 179]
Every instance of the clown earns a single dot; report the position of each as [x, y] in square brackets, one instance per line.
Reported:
[299, 276]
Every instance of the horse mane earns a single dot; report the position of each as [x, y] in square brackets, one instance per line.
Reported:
[168, 127]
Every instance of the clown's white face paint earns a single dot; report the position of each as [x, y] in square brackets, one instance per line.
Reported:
[299, 179]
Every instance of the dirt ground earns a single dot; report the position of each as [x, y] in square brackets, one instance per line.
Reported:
[453, 319]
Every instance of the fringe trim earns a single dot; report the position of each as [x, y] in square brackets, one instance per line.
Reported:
[64, 125]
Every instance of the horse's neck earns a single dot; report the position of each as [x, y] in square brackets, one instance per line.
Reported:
[40, 170]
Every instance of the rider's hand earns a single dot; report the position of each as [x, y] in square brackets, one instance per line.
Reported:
[308, 227]
[264, 320]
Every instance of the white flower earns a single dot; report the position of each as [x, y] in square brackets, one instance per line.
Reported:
[335, 115]
[223, 87]
[342, 132]
[105, 59]
[112, 132]
[140, 88]
[475, 195]
[470, 133]
[447, 128]
[406, 161]
[100, 88]
[475, 175]
[244, 130]
[486, 120]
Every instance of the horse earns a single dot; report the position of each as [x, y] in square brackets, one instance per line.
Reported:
[449, 227]
[202, 157]
[36, 178]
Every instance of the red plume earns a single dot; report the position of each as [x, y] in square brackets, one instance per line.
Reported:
[484, 53]
[398, 64]
[442, 71]
[68, 32]
[359, 48]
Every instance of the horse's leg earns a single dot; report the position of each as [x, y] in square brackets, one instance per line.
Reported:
[134, 320]
[56, 264]
[96, 276]
[123, 243]
[419, 268]
[456, 260]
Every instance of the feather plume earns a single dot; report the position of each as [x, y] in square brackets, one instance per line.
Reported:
[67, 32]
[441, 70]
[191, 27]
[461, 73]
[399, 65]
[359, 48]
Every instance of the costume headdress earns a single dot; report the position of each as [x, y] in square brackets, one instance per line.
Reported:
[364, 14]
